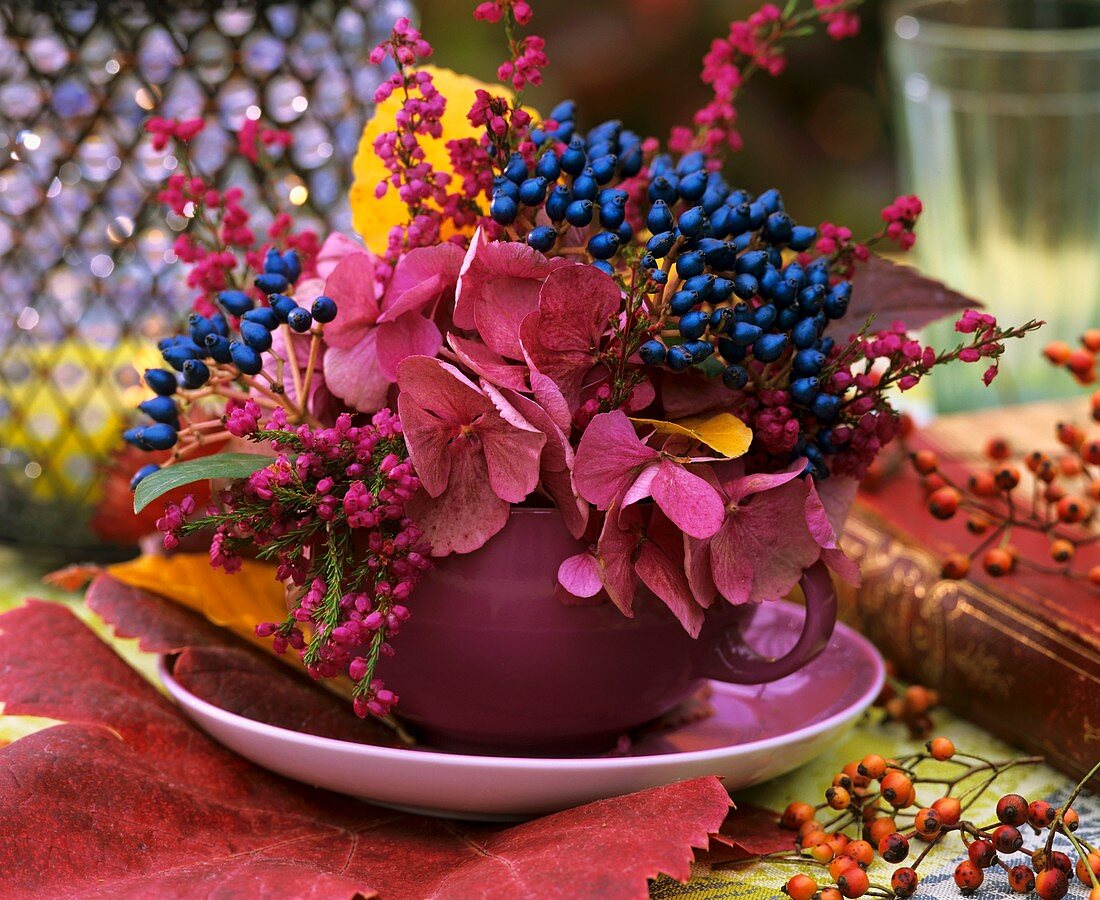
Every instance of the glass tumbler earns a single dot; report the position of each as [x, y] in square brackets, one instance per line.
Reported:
[998, 105]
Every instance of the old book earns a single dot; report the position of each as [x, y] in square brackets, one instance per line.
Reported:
[1019, 656]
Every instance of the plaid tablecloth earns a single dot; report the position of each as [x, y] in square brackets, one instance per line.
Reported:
[19, 577]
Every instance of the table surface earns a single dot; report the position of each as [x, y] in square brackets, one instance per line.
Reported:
[21, 570]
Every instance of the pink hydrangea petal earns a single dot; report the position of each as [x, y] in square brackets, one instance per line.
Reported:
[574, 511]
[421, 276]
[688, 500]
[466, 515]
[742, 487]
[838, 562]
[333, 249]
[764, 547]
[408, 335]
[487, 364]
[641, 397]
[575, 306]
[609, 457]
[580, 575]
[661, 569]
[642, 486]
[353, 375]
[443, 389]
[467, 287]
[615, 552]
[691, 394]
[512, 449]
[551, 399]
[352, 285]
[697, 570]
[428, 439]
[837, 494]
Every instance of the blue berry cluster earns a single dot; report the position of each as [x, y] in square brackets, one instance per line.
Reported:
[210, 341]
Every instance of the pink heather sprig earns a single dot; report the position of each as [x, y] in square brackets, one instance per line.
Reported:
[219, 246]
[837, 242]
[756, 44]
[330, 510]
[901, 218]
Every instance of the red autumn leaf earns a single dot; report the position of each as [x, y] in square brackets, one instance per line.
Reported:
[747, 832]
[891, 292]
[127, 798]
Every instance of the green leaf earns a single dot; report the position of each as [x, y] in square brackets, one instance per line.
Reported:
[792, 5]
[221, 465]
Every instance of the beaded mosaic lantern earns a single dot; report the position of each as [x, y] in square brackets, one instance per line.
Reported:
[86, 263]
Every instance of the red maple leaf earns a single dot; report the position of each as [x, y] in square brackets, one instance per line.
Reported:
[127, 798]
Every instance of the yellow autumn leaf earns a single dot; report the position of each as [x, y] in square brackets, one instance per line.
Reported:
[722, 432]
[237, 602]
[373, 217]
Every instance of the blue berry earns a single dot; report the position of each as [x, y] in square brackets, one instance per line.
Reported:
[502, 185]
[574, 159]
[630, 162]
[271, 283]
[691, 162]
[721, 289]
[262, 315]
[163, 409]
[566, 111]
[701, 284]
[805, 390]
[769, 347]
[754, 263]
[625, 231]
[693, 222]
[826, 407]
[795, 273]
[785, 293]
[603, 245]
[809, 301]
[693, 324]
[542, 238]
[825, 345]
[663, 187]
[180, 351]
[604, 266]
[136, 438]
[548, 166]
[245, 358]
[299, 320]
[195, 373]
[661, 243]
[802, 238]
[817, 272]
[221, 326]
[293, 265]
[788, 318]
[324, 309]
[659, 276]
[236, 303]
[503, 209]
[771, 200]
[765, 316]
[585, 186]
[692, 187]
[612, 215]
[758, 215]
[533, 191]
[218, 347]
[769, 281]
[603, 168]
[745, 286]
[721, 320]
[745, 333]
[198, 327]
[678, 358]
[720, 254]
[160, 436]
[808, 362]
[579, 213]
[682, 302]
[735, 377]
[558, 202]
[283, 306]
[141, 474]
[699, 350]
[690, 264]
[256, 336]
[659, 218]
[161, 381]
[273, 262]
[739, 220]
[516, 169]
[805, 333]
[653, 353]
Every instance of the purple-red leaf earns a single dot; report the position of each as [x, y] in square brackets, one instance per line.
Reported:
[892, 293]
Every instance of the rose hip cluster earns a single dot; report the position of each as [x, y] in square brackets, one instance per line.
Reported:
[876, 800]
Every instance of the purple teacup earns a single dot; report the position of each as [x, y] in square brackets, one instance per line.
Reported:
[493, 662]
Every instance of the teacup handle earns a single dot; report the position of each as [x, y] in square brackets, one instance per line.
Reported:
[731, 661]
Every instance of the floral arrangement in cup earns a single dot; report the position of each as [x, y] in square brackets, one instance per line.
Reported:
[536, 314]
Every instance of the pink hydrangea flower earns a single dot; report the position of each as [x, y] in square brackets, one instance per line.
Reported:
[474, 458]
